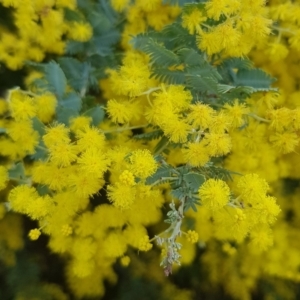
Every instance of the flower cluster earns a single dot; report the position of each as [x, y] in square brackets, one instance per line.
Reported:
[94, 153]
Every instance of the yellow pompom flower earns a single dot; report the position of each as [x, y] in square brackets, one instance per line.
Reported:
[83, 184]
[214, 194]
[80, 123]
[192, 236]
[34, 234]
[20, 197]
[125, 261]
[127, 178]
[192, 20]
[122, 196]
[62, 154]
[3, 177]
[252, 187]
[80, 31]
[218, 143]
[201, 115]
[119, 5]
[285, 142]
[93, 162]
[236, 112]
[119, 111]
[144, 244]
[90, 137]
[66, 230]
[56, 134]
[196, 154]
[22, 106]
[280, 118]
[115, 245]
[46, 105]
[143, 164]
[176, 129]
[40, 207]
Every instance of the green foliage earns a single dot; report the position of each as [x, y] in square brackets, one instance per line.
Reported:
[17, 172]
[56, 79]
[159, 55]
[97, 113]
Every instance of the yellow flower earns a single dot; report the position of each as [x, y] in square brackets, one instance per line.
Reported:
[46, 105]
[196, 154]
[192, 236]
[217, 143]
[80, 31]
[62, 154]
[66, 230]
[90, 137]
[127, 178]
[119, 111]
[214, 194]
[192, 20]
[143, 164]
[3, 177]
[201, 115]
[21, 196]
[125, 261]
[22, 106]
[252, 187]
[80, 123]
[55, 134]
[119, 5]
[236, 112]
[144, 244]
[122, 196]
[34, 234]
[93, 162]
[285, 142]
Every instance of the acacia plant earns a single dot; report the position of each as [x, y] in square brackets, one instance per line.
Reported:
[151, 126]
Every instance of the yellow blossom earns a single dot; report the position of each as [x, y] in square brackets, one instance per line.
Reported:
[142, 164]
[127, 178]
[201, 115]
[125, 261]
[3, 177]
[46, 105]
[144, 244]
[21, 196]
[22, 106]
[214, 193]
[192, 20]
[196, 154]
[34, 234]
[80, 31]
[56, 133]
[122, 196]
[285, 142]
[192, 236]
[252, 187]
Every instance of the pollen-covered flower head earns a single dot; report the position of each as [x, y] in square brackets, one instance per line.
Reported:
[143, 164]
[214, 194]
[252, 187]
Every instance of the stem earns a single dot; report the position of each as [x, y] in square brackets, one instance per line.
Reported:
[162, 179]
[281, 29]
[150, 91]
[258, 118]
[124, 128]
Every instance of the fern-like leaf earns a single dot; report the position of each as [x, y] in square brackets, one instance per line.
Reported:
[168, 76]
[200, 83]
[160, 55]
[149, 136]
[255, 78]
